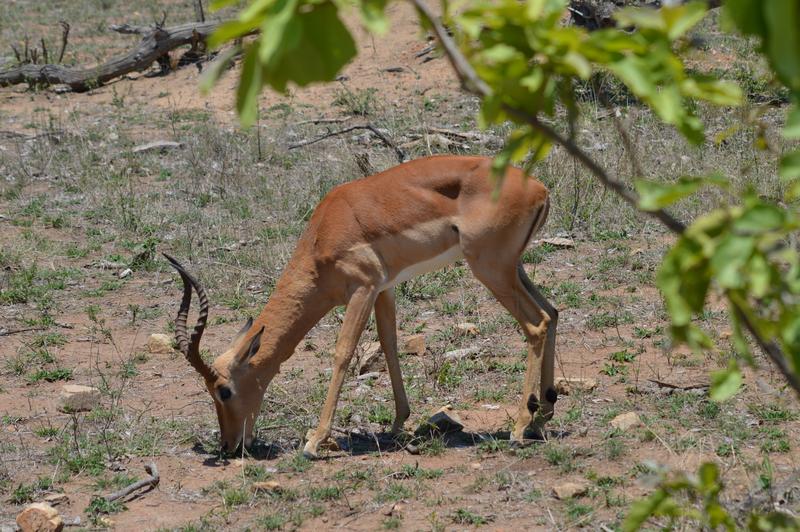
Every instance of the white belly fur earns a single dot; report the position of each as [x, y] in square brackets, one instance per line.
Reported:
[434, 263]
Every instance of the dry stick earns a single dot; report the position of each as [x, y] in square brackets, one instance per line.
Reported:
[151, 482]
[64, 38]
[401, 156]
[4, 332]
[472, 83]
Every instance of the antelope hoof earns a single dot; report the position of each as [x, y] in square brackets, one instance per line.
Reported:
[310, 450]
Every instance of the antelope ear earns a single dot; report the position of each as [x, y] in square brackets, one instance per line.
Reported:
[243, 329]
[252, 349]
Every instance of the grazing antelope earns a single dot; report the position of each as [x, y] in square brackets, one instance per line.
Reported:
[363, 238]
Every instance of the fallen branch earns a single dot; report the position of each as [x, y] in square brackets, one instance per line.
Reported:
[156, 42]
[401, 156]
[149, 482]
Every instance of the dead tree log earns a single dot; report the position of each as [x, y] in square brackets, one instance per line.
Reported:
[156, 42]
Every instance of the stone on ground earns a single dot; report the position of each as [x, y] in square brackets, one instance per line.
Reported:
[441, 422]
[466, 352]
[626, 421]
[159, 344]
[39, 517]
[468, 328]
[78, 398]
[567, 490]
[414, 344]
[570, 385]
[371, 359]
[267, 485]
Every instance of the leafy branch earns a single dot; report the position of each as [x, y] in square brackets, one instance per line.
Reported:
[471, 82]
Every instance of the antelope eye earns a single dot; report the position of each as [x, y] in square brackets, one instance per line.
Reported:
[224, 392]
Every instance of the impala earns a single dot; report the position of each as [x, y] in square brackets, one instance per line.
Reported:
[363, 238]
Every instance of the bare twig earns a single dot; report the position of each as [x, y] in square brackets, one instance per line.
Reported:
[401, 156]
[64, 40]
[671, 386]
[4, 332]
[199, 11]
[325, 120]
[471, 82]
[149, 482]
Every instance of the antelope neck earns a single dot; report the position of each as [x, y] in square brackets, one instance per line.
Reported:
[292, 310]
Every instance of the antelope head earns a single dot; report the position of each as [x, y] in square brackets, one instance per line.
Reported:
[236, 390]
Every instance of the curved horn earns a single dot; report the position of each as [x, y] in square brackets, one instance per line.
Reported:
[191, 347]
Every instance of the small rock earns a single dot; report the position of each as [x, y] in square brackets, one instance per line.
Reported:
[414, 344]
[567, 490]
[159, 343]
[626, 421]
[158, 145]
[268, 485]
[442, 422]
[54, 499]
[125, 273]
[394, 510]
[77, 398]
[39, 517]
[570, 385]
[557, 241]
[468, 328]
[370, 375]
[371, 359]
[458, 354]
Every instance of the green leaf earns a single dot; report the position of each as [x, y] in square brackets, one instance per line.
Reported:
[680, 19]
[761, 275]
[230, 31]
[760, 218]
[725, 383]
[276, 36]
[729, 257]
[789, 167]
[644, 509]
[718, 92]
[747, 16]
[641, 17]
[373, 15]
[791, 130]
[215, 69]
[782, 44]
[315, 48]
[708, 476]
[655, 195]
[249, 88]
[683, 279]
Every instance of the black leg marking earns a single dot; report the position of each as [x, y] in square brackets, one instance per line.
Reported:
[551, 395]
[533, 403]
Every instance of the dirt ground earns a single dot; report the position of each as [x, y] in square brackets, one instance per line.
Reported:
[78, 208]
